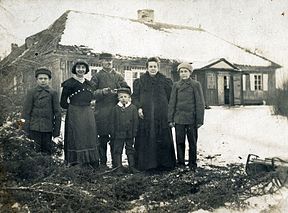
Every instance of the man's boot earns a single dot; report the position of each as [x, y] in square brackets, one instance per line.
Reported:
[118, 164]
[131, 163]
[103, 140]
[181, 154]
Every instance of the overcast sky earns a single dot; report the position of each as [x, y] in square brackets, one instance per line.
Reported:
[261, 25]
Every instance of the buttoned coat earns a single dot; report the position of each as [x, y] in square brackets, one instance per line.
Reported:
[124, 122]
[186, 104]
[41, 110]
[105, 103]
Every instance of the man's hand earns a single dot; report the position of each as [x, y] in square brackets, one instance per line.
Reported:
[57, 139]
[140, 113]
[171, 124]
[106, 91]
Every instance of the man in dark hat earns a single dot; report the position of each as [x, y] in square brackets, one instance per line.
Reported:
[106, 82]
[41, 112]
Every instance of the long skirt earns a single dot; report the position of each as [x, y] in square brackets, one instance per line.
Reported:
[155, 152]
[80, 139]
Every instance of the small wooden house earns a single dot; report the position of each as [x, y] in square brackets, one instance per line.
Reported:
[224, 83]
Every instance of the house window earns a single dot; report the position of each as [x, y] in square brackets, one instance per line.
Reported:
[211, 81]
[131, 75]
[259, 82]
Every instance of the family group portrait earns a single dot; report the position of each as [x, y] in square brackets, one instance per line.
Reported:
[144, 106]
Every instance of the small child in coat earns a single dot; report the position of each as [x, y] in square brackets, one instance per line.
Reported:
[124, 124]
[41, 112]
[186, 113]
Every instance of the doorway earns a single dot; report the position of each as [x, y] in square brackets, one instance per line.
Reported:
[226, 90]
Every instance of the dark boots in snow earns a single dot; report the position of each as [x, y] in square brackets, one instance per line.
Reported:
[118, 164]
[131, 162]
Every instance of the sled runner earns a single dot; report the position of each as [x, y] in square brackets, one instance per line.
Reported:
[257, 167]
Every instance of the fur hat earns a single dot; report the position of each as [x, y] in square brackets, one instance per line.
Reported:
[186, 66]
[107, 56]
[78, 62]
[124, 90]
[43, 70]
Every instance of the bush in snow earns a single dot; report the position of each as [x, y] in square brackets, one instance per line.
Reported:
[11, 97]
[280, 101]
[18, 155]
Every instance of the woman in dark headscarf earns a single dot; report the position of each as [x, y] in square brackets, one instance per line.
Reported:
[80, 139]
[154, 143]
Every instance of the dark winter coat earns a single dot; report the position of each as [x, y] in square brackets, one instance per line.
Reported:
[41, 110]
[186, 105]
[153, 144]
[105, 103]
[124, 122]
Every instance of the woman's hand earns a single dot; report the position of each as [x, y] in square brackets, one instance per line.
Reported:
[140, 113]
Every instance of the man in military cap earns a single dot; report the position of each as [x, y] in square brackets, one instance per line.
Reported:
[106, 81]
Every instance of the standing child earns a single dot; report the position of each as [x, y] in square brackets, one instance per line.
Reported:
[41, 112]
[186, 113]
[124, 128]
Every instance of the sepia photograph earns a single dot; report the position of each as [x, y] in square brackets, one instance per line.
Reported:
[144, 106]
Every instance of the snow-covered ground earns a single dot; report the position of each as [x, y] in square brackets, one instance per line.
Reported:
[236, 132]
[230, 134]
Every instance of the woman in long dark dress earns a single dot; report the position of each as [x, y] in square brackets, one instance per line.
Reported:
[153, 144]
[80, 138]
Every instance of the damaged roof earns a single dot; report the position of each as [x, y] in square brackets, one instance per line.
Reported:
[90, 33]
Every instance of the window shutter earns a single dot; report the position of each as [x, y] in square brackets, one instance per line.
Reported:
[265, 82]
[252, 82]
[244, 82]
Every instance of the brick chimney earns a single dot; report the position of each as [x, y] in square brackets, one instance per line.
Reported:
[14, 46]
[146, 15]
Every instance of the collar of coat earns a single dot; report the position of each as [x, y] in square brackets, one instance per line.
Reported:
[81, 80]
[183, 84]
[46, 88]
[111, 71]
[156, 77]
[72, 82]
[185, 81]
[126, 105]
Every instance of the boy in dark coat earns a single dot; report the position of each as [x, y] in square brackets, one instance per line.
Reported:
[41, 112]
[186, 113]
[124, 124]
